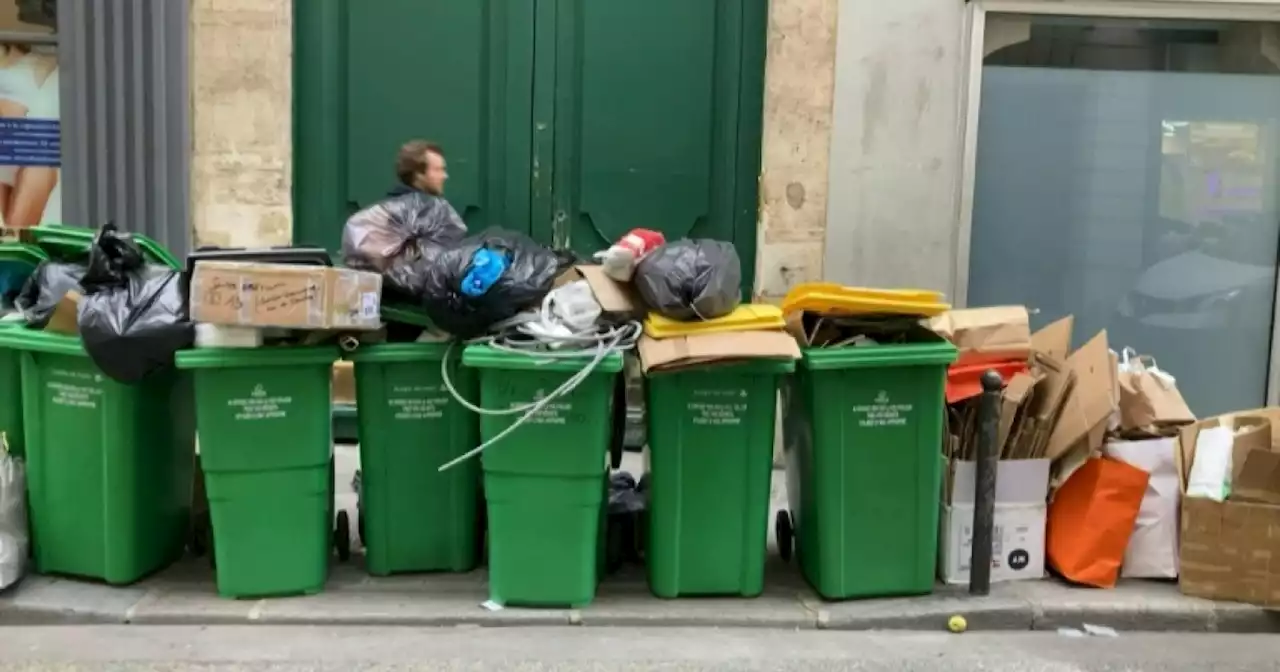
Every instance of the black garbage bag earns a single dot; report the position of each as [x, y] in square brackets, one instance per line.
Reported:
[691, 279]
[624, 533]
[398, 237]
[133, 317]
[528, 271]
[44, 288]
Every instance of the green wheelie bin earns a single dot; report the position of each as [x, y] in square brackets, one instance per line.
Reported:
[545, 482]
[17, 261]
[413, 517]
[109, 465]
[863, 440]
[711, 432]
[266, 448]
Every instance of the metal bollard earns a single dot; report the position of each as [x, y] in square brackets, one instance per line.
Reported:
[984, 508]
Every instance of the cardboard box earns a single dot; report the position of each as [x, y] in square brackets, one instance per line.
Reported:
[1019, 528]
[616, 299]
[1230, 550]
[685, 351]
[287, 296]
[65, 316]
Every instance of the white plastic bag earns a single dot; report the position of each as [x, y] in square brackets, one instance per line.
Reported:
[1210, 475]
[1152, 552]
[13, 517]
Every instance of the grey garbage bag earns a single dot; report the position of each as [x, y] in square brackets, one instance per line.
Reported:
[44, 288]
[396, 237]
[14, 536]
[691, 279]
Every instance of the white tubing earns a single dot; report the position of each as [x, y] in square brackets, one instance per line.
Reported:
[616, 339]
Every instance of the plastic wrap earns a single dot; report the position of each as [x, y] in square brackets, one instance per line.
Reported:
[530, 273]
[44, 288]
[691, 279]
[14, 536]
[399, 237]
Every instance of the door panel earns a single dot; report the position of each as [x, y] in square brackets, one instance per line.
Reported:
[577, 120]
[657, 114]
[457, 73]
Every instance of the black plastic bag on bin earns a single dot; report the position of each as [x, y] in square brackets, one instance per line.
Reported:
[133, 317]
[691, 279]
[398, 237]
[524, 273]
[44, 288]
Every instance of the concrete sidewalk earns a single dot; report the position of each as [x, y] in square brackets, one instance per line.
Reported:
[185, 595]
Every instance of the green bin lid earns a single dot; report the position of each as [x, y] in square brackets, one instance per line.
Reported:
[736, 366]
[226, 358]
[403, 352]
[405, 315]
[486, 357]
[932, 351]
[36, 340]
[70, 242]
[22, 253]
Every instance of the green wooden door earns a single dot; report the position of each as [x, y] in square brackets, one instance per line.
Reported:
[575, 120]
[657, 120]
[370, 76]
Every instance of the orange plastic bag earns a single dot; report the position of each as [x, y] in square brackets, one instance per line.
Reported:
[1091, 519]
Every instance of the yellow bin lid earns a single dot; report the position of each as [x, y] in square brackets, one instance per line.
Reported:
[747, 317]
[829, 297]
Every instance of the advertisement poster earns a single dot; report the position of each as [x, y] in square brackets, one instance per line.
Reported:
[30, 138]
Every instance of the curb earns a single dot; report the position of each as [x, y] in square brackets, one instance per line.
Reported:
[50, 601]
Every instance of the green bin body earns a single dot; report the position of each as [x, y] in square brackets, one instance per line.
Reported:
[17, 261]
[711, 432]
[109, 465]
[266, 444]
[863, 429]
[545, 483]
[416, 518]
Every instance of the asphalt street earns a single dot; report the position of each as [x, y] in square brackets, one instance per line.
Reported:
[566, 649]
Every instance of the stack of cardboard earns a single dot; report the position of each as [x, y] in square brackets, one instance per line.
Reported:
[1053, 416]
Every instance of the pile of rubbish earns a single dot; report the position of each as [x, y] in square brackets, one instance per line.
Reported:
[1103, 470]
[129, 310]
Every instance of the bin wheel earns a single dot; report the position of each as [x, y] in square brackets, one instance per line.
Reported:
[785, 533]
[342, 536]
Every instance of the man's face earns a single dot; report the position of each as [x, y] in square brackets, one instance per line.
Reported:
[433, 178]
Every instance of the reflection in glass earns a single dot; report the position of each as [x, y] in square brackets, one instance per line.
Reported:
[1123, 178]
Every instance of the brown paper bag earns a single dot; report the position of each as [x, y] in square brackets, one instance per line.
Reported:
[987, 334]
[1149, 397]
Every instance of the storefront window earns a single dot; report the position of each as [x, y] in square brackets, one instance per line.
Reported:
[1127, 174]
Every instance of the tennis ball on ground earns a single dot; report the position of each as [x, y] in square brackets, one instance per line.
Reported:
[957, 624]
